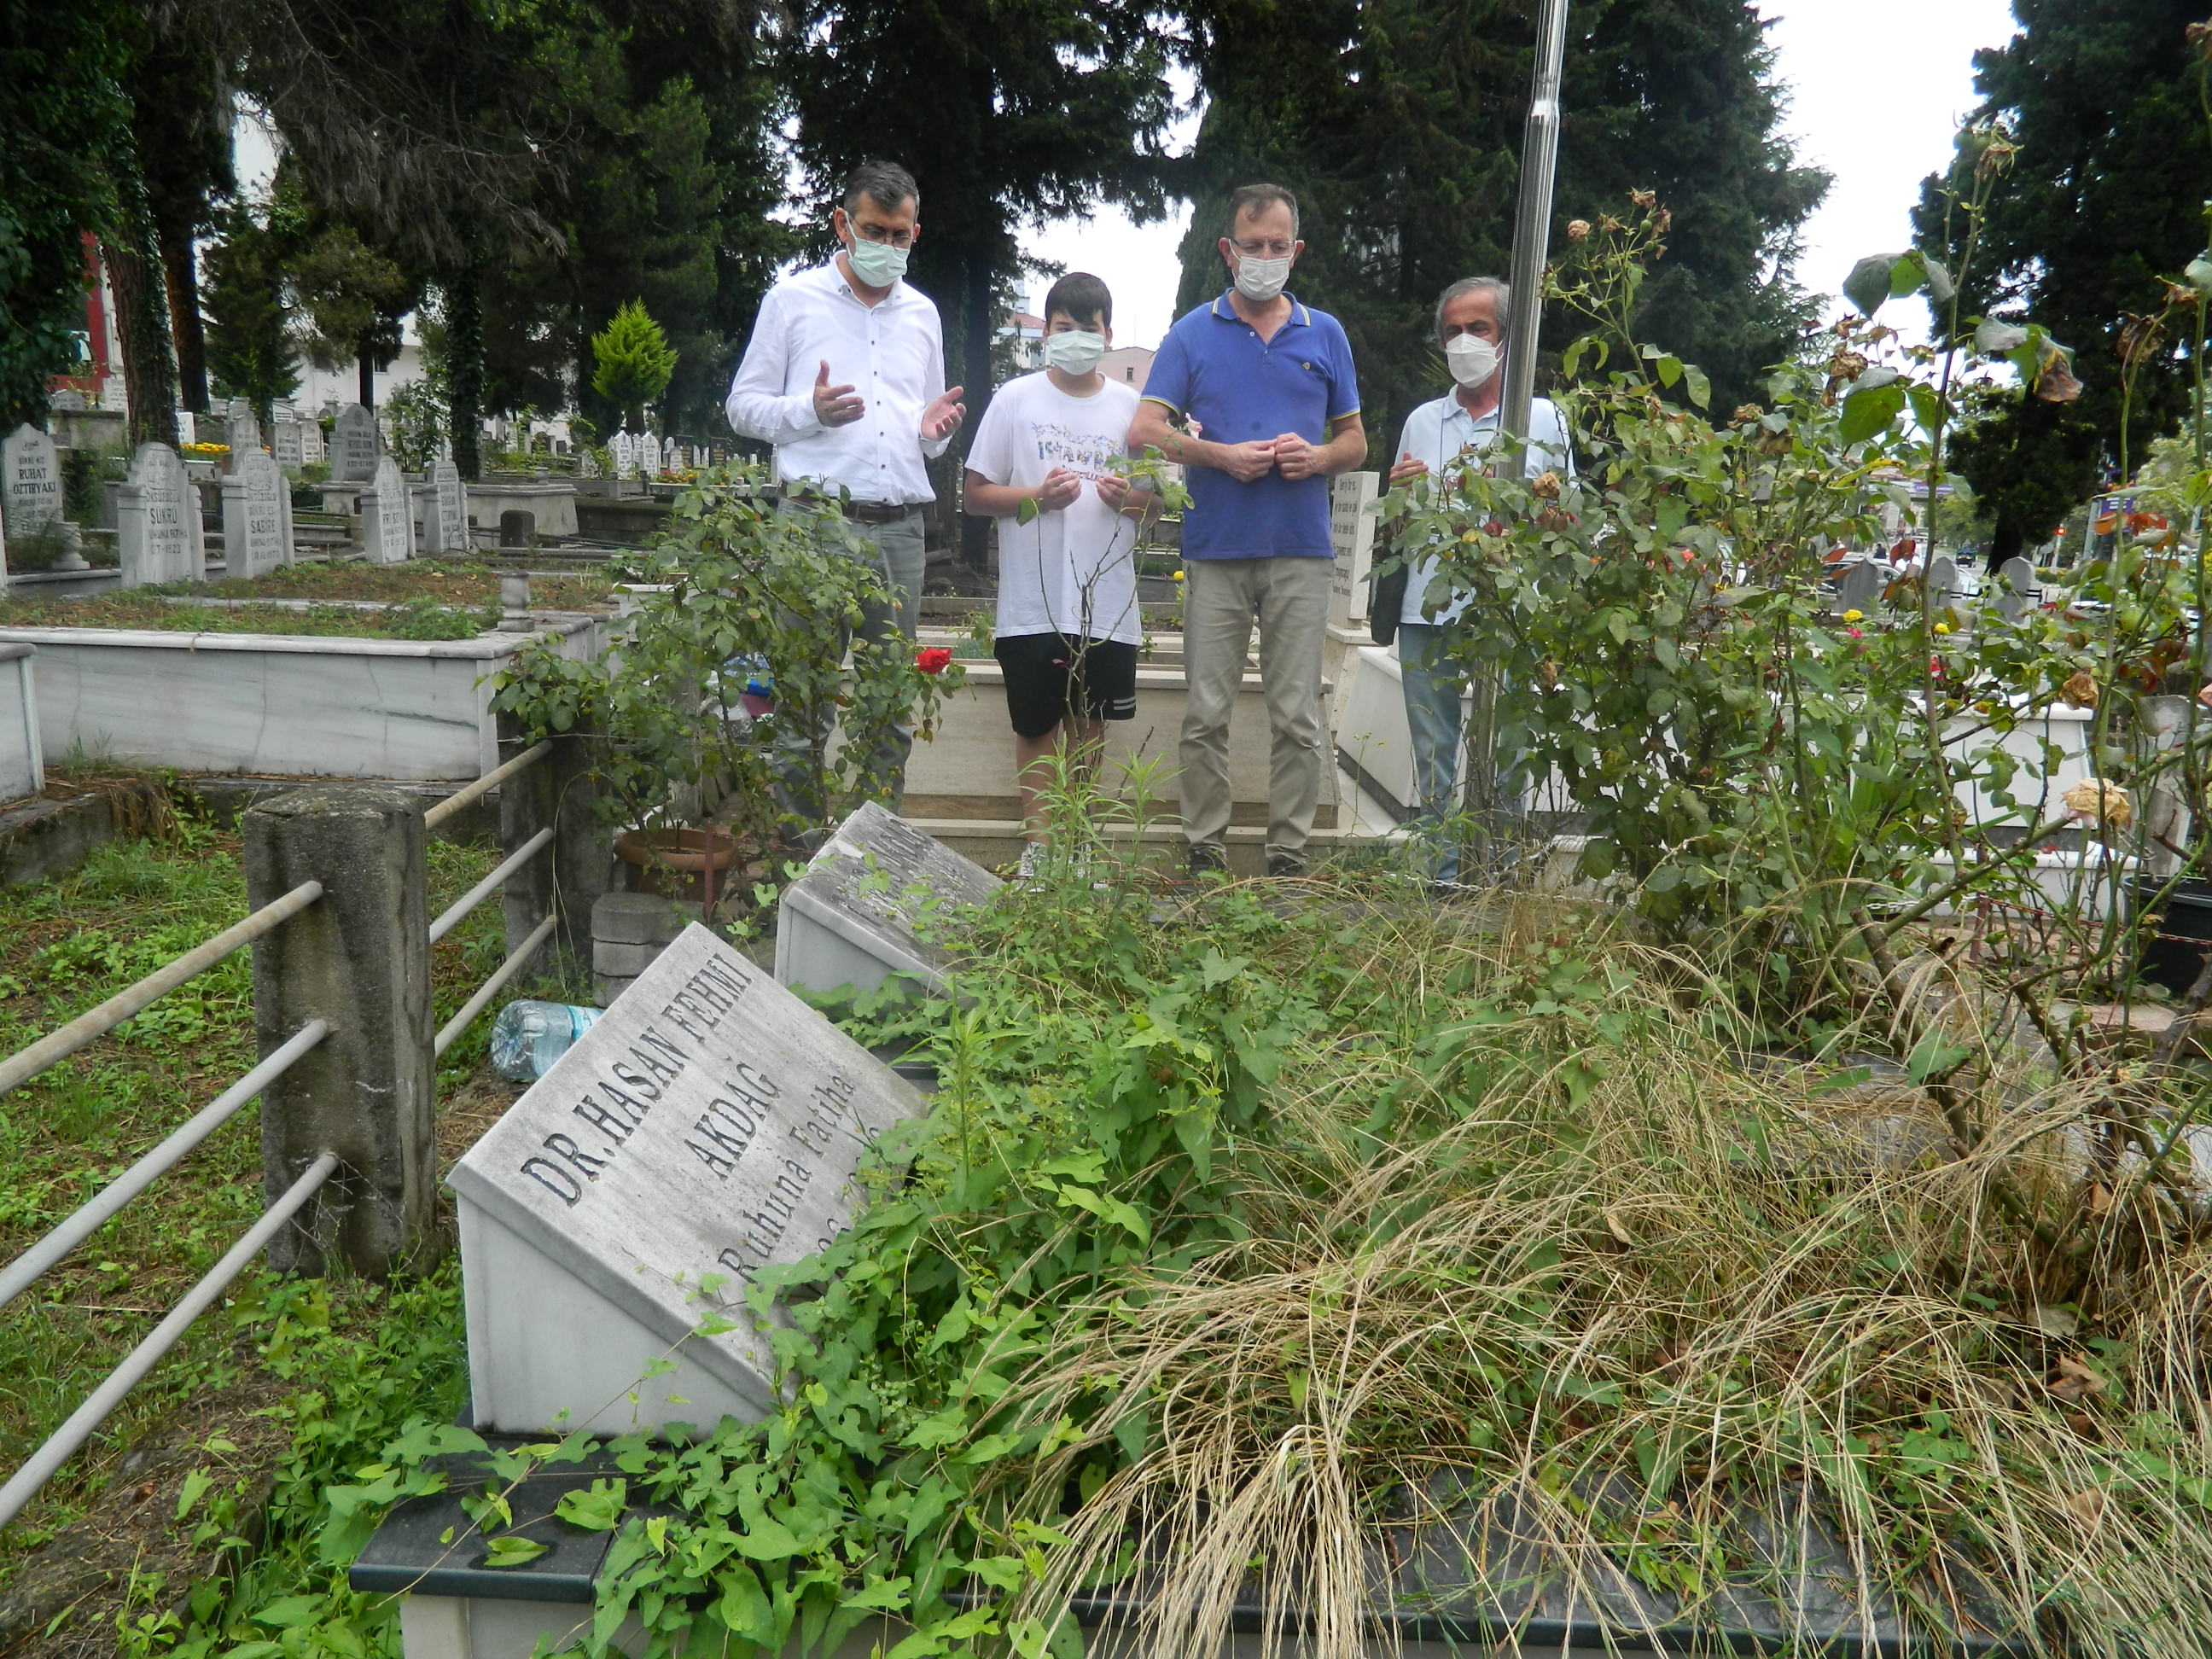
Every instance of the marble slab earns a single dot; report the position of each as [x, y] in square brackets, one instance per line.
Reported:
[290, 452]
[1352, 526]
[30, 482]
[452, 516]
[709, 1125]
[871, 904]
[256, 515]
[22, 753]
[387, 516]
[354, 445]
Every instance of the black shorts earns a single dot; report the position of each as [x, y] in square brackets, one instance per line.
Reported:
[1051, 676]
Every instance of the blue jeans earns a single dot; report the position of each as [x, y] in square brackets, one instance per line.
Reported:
[1434, 684]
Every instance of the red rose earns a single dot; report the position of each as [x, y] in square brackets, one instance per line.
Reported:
[932, 660]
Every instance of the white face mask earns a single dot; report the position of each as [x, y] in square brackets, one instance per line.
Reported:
[1073, 352]
[1471, 360]
[878, 265]
[1262, 280]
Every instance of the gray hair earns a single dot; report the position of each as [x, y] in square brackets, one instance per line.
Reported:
[885, 183]
[1495, 285]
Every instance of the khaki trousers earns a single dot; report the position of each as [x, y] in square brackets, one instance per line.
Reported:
[1222, 598]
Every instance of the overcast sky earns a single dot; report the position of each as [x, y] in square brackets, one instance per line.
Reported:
[1877, 88]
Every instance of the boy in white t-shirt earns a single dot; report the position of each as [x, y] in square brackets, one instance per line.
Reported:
[1068, 624]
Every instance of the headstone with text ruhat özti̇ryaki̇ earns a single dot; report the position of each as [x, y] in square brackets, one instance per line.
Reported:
[157, 521]
[709, 1125]
[387, 516]
[256, 515]
[30, 482]
[284, 440]
[872, 904]
[354, 445]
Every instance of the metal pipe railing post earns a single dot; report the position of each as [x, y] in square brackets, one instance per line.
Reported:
[1532, 223]
[359, 961]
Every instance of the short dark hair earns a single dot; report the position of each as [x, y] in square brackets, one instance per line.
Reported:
[1082, 296]
[885, 183]
[1250, 199]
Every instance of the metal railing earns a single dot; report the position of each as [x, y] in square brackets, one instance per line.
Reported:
[299, 1191]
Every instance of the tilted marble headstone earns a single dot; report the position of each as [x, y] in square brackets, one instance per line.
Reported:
[1861, 590]
[31, 474]
[387, 516]
[256, 515]
[1943, 588]
[1352, 533]
[671, 456]
[245, 437]
[452, 518]
[710, 1124]
[354, 445]
[157, 521]
[285, 440]
[588, 464]
[871, 903]
[2021, 589]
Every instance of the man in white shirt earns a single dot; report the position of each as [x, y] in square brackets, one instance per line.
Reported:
[1068, 625]
[845, 375]
[1471, 317]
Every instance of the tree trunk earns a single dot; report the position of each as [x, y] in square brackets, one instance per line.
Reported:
[181, 279]
[367, 371]
[465, 368]
[149, 374]
[974, 381]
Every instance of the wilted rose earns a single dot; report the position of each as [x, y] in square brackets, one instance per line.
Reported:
[1544, 484]
[1644, 198]
[1554, 518]
[1847, 365]
[1746, 414]
[2099, 800]
[1577, 229]
[2079, 691]
[1547, 673]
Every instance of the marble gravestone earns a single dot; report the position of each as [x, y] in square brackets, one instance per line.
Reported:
[671, 455]
[30, 475]
[314, 451]
[387, 516]
[353, 446]
[243, 432]
[588, 464]
[870, 902]
[1860, 588]
[256, 515]
[623, 449]
[2020, 590]
[452, 514]
[1943, 588]
[710, 1124]
[1352, 533]
[157, 521]
[290, 452]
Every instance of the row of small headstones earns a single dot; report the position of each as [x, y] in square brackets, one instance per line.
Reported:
[1864, 584]
[636, 454]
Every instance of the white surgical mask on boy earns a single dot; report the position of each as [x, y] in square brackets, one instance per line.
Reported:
[1471, 359]
[878, 264]
[1262, 280]
[1074, 352]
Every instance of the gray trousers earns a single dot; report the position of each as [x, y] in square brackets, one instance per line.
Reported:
[900, 554]
[1223, 598]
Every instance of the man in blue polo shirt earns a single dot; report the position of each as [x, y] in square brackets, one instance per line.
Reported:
[1268, 382]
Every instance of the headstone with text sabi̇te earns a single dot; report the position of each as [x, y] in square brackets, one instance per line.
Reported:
[354, 445]
[256, 515]
[708, 1125]
[387, 516]
[872, 903]
[31, 477]
[157, 521]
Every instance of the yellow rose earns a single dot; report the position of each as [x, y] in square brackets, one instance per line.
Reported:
[1942, 628]
[1854, 616]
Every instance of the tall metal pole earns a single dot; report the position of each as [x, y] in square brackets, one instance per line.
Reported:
[1532, 229]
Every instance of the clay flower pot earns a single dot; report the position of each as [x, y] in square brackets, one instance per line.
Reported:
[685, 864]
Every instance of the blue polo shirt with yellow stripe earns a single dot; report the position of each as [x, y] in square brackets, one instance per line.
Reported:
[1214, 367]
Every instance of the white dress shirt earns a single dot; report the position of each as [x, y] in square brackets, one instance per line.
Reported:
[891, 354]
[1439, 432]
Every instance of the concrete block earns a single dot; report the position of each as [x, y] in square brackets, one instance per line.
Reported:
[623, 961]
[641, 919]
[612, 985]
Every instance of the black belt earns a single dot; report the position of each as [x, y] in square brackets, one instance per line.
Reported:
[860, 512]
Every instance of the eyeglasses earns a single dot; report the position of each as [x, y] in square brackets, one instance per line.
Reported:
[888, 238]
[1264, 250]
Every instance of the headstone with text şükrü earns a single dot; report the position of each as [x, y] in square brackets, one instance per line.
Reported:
[157, 521]
[1352, 533]
[709, 1125]
[354, 445]
[285, 440]
[871, 904]
[387, 516]
[31, 475]
[256, 515]
[453, 515]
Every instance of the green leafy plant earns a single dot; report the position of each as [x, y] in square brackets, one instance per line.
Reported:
[633, 362]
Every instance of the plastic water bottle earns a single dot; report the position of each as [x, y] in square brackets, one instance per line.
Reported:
[527, 1037]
